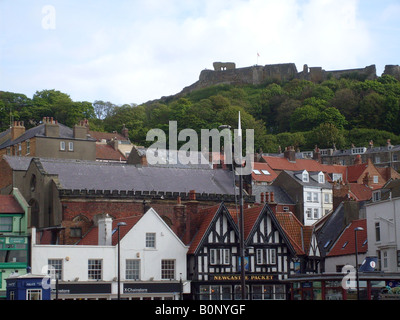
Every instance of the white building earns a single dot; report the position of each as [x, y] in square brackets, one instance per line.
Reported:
[383, 225]
[152, 261]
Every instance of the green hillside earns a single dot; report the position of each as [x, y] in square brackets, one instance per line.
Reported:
[301, 113]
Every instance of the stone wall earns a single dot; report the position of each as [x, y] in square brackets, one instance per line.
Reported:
[227, 73]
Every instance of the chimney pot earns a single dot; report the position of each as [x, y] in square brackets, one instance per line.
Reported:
[192, 195]
[262, 197]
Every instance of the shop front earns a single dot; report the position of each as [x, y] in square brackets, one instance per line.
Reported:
[228, 287]
[171, 290]
[372, 286]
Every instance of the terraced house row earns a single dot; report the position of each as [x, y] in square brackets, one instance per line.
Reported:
[112, 226]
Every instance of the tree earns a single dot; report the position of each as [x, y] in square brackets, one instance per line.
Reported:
[305, 118]
[327, 135]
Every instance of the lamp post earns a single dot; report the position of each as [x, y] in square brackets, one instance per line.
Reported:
[120, 224]
[357, 278]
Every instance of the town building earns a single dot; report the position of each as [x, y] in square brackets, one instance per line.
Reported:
[271, 254]
[311, 192]
[50, 139]
[152, 261]
[14, 237]
[382, 214]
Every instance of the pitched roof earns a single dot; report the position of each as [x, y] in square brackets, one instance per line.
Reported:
[92, 238]
[8, 204]
[107, 152]
[360, 192]
[346, 242]
[208, 216]
[262, 172]
[355, 171]
[282, 163]
[91, 175]
[298, 235]
[106, 135]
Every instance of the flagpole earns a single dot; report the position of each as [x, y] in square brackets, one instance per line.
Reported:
[241, 221]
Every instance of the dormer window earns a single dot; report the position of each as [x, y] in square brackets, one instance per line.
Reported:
[305, 177]
[321, 177]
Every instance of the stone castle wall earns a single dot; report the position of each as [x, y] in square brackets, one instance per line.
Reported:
[227, 73]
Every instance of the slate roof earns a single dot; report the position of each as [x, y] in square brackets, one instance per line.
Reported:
[18, 163]
[94, 175]
[8, 204]
[280, 195]
[346, 242]
[312, 181]
[39, 131]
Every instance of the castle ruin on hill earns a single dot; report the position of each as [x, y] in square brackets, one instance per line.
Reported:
[227, 73]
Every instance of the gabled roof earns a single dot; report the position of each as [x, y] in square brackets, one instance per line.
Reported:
[282, 163]
[345, 244]
[355, 171]
[359, 192]
[209, 214]
[92, 236]
[312, 181]
[8, 204]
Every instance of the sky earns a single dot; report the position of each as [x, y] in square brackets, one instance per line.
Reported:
[133, 51]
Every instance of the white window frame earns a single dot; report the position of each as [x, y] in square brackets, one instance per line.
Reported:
[132, 269]
[95, 269]
[220, 256]
[70, 146]
[375, 179]
[305, 177]
[309, 213]
[149, 241]
[266, 256]
[321, 178]
[34, 292]
[62, 145]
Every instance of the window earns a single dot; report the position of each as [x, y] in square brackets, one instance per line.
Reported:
[255, 171]
[132, 269]
[266, 256]
[167, 269]
[305, 176]
[315, 196]
[308, 213]
[395, 157]
[344, 244]
[75, 232]
[34, 294]
[375, 179]
[28, 147]
[321, 178]
[33, 183]
[376, 195]
[385, 259]
[285, 209]
[19, 149]
[95, 269]
[6, 224]
[377, 159]
[265, 172]
[316, 213]
[337, 177]
[62, 145]
[70, 146]
[150, 240]
[56, 268]
[215, 292]
[308, 194]
[326, 198]
[220, 256]
[377, 232]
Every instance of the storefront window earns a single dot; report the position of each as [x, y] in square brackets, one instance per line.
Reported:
[376, 289]
[317, 290]
[351, 294]
[333, 290]
[215, 292]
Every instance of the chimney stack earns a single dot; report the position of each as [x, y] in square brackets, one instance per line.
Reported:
[51, 127]
[125, 132]
[290, 154]
[81, 130]
[105, 230]
[17, 130]
[262, 197]
[317, 154]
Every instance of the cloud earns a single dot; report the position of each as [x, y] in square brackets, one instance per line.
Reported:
[139, 51]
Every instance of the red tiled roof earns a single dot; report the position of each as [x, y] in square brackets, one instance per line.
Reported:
[282, 163]
[355, 171]
[346, 242]
[360, 192]
[92, 239]
[106, 152]
[8, 204]
[294, 230]
[250, 217]
[208, 215]
[263, 177]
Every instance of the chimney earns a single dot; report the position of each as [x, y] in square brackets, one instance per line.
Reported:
[192, 210]
[272, 197]
[367, 180]
[51, 127]
[267, 197]
[17, 130]
[317, 154]
[389, 144]
[81, 130]
[105, 230]
[290, 154]
[262, 197]
[357, 159]
[181, 220]
[125, 132]
[371, 144]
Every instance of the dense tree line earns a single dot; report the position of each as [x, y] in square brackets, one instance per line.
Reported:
[300, 113]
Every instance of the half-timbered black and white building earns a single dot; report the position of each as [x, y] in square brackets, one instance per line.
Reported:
[272, 254]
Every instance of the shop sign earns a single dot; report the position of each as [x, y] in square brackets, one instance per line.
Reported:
[237, 277]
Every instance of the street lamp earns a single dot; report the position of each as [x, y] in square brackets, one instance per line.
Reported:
[357, 278]
[120, 224]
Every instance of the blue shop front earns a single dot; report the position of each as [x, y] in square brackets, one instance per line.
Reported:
[28, 287]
